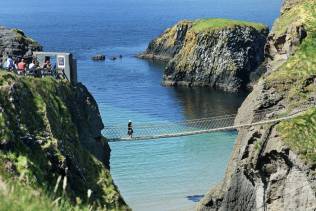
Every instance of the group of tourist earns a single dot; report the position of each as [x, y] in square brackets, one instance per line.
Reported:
[22, 67]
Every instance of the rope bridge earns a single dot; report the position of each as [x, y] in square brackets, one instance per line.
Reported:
[146, 131]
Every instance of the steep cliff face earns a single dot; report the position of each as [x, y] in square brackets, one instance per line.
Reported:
[51, 143]
[169, 43]
[287, 34]
[14, 42]
[217, 53]
[273, 167]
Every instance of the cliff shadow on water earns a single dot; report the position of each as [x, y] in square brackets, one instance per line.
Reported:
[202, 102]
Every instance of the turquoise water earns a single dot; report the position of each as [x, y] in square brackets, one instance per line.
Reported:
[163, 175]
[167, 174]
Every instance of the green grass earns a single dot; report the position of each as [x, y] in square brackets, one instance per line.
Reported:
[217, 23]
[294, 76]
[20, 36]
[295, 79]
[303, 63]
[295, 15]
[300, 135]
[15, 195]
[47, 109]
[21, 197]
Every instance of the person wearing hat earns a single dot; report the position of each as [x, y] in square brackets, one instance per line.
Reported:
[130, 129]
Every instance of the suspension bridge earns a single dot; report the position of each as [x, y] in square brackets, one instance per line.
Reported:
[158, 130]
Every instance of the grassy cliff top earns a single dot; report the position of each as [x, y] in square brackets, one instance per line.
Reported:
[217, 23]
[41, 152]
[301, 65]
[295, 78]
[298, 14]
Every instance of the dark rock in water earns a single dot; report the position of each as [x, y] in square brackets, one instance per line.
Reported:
[13, 42]
[217, 53]
[99, 57]
[195, 198]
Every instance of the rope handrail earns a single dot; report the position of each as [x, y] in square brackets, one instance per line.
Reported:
[195, 126]
[163, 123]
[224, 116]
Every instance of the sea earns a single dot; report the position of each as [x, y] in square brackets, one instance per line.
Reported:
[164, 174]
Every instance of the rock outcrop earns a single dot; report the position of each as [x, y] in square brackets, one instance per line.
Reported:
[273, 167]
[217, 53]
[50, 140]
[284, 39]
[14, 42]
[167, 46]
[98, 57]
[51, 129]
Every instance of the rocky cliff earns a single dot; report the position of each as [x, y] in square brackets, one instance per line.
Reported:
[273, 167]
[217, 53]
[52, 153]
[51, 141]
[14, 42]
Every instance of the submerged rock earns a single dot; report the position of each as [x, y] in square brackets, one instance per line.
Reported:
[217, 53]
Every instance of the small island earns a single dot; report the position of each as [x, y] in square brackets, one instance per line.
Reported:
[217, 53]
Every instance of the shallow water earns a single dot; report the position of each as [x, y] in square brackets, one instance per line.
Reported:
[167, 174]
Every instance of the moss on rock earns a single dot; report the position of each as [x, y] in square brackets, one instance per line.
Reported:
[300, 135]
[217, 53]
[42, 138]
[296, 80]
[14, 42]
[220, 23]
[273, 166]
